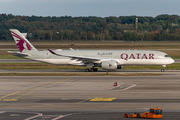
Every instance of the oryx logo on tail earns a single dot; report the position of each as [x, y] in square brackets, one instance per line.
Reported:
[21, 43]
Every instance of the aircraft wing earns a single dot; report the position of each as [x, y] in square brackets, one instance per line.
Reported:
[78, 58]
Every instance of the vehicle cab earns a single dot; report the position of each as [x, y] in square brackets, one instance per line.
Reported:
[153, 113]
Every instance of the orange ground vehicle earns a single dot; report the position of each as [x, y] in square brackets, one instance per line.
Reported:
[153, 113]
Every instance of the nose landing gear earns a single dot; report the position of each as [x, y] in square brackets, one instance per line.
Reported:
[163, 68]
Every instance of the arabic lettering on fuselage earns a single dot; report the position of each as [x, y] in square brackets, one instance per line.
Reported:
[136, 56]
[110, 53]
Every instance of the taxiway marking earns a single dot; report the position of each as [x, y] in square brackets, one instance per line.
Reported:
[9, 99]
[83, 101]
[34, 88]
[129, 87]
[1, 112]
[37, 90]
[59, 117]
[26, 94]
[39, 114]
[108, 88]
[102, 99]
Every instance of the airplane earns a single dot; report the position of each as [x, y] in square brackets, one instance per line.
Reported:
[109, 60]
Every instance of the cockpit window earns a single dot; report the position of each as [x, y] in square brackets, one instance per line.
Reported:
[166, 56]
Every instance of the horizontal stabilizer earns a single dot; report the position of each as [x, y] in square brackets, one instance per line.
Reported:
[19, 54]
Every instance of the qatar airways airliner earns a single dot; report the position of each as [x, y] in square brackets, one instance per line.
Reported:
[106, 59]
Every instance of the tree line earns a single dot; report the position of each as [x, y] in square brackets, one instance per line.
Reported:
[160, 28]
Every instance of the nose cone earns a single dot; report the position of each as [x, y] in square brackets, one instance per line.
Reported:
[171, 61]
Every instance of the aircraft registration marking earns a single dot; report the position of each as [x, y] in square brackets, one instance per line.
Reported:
[102, 99]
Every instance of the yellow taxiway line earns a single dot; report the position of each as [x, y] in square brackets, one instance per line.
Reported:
[83, 101]
[33, 88]
[102, 99]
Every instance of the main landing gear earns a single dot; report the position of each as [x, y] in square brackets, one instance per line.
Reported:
[163, 68]
[91, 70]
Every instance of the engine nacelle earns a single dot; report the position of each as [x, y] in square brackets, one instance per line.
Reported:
[110, 65]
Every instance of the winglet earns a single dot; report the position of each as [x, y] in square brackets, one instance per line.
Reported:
[52, 51]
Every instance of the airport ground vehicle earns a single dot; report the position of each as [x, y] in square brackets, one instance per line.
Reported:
[153, 113]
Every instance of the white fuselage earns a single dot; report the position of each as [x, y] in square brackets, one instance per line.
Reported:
[123, 57]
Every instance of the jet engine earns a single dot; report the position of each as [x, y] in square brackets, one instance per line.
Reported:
[110, 65]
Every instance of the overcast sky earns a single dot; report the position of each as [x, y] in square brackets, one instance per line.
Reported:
[100, 8]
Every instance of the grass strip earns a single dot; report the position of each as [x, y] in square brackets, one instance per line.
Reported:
[79, 74]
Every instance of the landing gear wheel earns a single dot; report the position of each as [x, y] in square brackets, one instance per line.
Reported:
[95, 69]
[91, 70]
[87, 70]
[162, 70]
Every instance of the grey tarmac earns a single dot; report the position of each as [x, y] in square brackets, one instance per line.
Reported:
[88, 97]
[74, 115]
